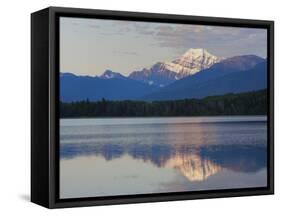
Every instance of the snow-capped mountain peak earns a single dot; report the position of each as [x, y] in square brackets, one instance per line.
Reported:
[164, 73]
[192, 61]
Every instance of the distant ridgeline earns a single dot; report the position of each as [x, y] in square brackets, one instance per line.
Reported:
[197, 74]
[250, 103]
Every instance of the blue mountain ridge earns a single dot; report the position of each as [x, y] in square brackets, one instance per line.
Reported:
[233, 75]
[77, 88]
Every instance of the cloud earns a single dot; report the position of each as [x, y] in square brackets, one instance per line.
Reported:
[224, 41]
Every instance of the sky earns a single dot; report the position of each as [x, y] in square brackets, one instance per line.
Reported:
[91, 46]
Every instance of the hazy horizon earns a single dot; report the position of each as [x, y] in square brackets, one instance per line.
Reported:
[91, 46]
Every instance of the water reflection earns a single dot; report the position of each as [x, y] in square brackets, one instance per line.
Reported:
[102, 157]
[193, 167]
[196, 150]
[196, 164]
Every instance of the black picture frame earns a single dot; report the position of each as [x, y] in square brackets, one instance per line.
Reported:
[45, 106]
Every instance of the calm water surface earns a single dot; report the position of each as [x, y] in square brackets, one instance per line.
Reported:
[121, 156]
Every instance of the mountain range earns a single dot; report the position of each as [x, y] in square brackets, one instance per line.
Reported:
[77, 88]
[232, 75]
[164, 73]
[195, 74]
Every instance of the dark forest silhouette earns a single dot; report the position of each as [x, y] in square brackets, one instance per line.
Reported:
[251, 103]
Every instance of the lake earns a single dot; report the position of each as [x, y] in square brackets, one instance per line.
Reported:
[123, 156]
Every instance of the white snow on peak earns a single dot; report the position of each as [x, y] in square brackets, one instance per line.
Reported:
[191, 62]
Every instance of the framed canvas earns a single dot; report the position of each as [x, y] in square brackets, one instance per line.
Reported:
[138, 107]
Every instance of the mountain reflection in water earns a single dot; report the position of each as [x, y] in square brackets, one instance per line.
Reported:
[196, 150]
[196, 164]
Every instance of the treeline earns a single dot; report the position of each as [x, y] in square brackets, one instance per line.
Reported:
[251, 103]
